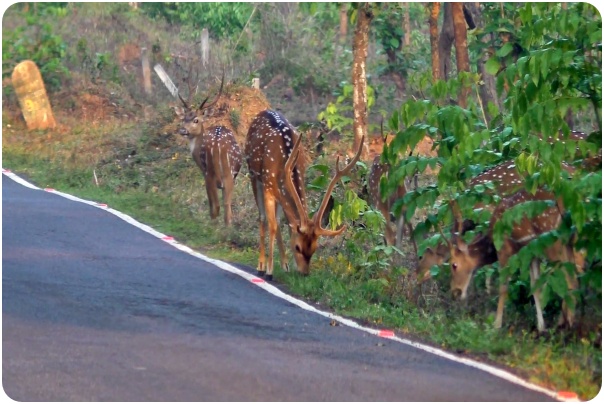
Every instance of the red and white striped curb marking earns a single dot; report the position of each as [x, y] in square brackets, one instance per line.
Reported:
[567, 396]
[502, 374]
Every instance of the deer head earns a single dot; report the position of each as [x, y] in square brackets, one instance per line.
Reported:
[465, 258]
[192, 119]
[431, 257]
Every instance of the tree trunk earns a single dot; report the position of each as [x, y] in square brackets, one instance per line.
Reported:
[397, 76]
[406, 24]
[359, 79]
[434, 11]
[343, 22]
[445, 42]
[486, 91]
[461, 49]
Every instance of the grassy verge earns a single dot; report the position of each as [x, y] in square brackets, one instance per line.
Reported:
[159, 186]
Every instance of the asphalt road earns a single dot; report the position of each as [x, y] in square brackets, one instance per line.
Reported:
[94, 309]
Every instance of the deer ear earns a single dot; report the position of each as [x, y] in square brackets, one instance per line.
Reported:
[428, 250]
[179, 111]
[462, 246]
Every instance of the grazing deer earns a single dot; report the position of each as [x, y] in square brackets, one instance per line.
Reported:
[276, 165]
[466, 258]
[385, 206]
[215, 152]
[506, 180]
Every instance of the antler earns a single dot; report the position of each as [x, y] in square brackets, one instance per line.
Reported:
[339, 174]
[183, 101]
[457, 218]
[188, 81]
[440, 230]
[201, 108]
[289, 184]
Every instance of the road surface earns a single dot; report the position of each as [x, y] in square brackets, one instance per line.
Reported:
[94, 309]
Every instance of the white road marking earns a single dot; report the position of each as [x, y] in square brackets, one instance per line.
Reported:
[503, 374]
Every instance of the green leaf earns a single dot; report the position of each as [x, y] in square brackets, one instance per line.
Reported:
[492, 66]
[557, 282]
[505, 50]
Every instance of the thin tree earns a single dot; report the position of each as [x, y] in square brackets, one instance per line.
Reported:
[343, 22]
[406, 24]
[359, 78]
[433, 21]
[486, 91]
[461, 48]
[445, 42]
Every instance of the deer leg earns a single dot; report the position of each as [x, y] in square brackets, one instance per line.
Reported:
[282, 255]
[271, 220]
[227, 194]
[503, 294]
[400, 231]
[388, 233]
[537, 295]
[503, 256]
[568, 312]
[212, 192]
[410, 229]
[259, 197]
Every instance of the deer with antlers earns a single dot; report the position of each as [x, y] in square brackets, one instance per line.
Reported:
[466, 258]
[276, 166]
[215, 151]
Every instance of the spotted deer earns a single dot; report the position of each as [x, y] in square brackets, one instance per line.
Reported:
[506, 180]
[589, 161]
[216, 153]
[393, 237]
[466, 258]
[276, 166]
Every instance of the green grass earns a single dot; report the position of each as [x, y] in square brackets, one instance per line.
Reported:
[167, 193]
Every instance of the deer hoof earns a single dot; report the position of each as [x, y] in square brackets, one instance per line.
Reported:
[260, 274]
[269, 277]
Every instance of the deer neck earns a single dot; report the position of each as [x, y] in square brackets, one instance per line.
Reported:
[192, 144]
[195, 142]
[482, 250]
